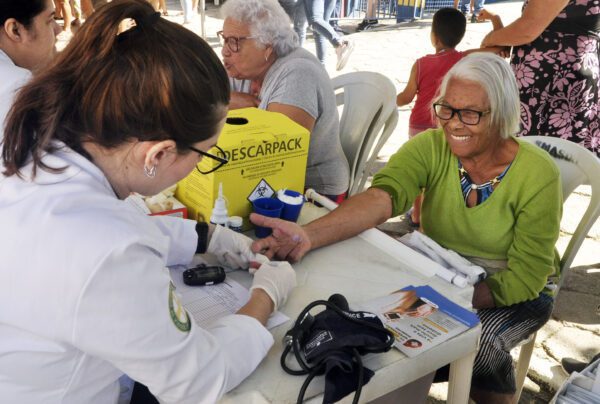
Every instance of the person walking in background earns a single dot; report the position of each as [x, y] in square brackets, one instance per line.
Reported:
[336, 16]
[447, 30]
[473, 6]
[190, 10]
[555, 59]
[77, 17]
[67, 15]
[159, 5]
[289, 6]
[370, 16]
[162, 5]
[87, 8]
[317, 14]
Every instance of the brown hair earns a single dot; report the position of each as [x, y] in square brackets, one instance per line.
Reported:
[23, 11]
[155, 81]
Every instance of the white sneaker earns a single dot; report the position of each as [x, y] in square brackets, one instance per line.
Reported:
[343, 53]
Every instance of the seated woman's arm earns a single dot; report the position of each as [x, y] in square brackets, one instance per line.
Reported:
[291, 242]
[535, 19]
[243, 100]
[298, 115]
[394, 189]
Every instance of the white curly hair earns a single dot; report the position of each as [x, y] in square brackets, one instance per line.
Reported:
[268, 23]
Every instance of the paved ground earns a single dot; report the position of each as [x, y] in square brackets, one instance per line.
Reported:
[574, 331]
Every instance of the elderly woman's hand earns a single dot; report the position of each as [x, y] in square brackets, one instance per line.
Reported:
[243, 100]
[289, 241]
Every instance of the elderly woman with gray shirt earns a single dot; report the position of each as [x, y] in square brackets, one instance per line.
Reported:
[270, 71]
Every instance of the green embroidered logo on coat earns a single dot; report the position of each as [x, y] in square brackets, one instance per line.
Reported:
[180, 317]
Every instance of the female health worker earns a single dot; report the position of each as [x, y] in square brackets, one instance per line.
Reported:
[131, 105]
[28, 33]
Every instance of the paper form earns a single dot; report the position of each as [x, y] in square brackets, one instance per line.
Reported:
[208, 303]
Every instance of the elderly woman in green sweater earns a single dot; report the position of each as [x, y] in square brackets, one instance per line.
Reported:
[488, 196]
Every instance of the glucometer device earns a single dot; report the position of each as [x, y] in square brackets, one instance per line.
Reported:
[203, 275]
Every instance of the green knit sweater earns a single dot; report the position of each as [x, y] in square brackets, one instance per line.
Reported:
[519, 222]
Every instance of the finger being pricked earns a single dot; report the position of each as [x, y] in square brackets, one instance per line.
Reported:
[265, 246]
[277, 245]
[285, 239]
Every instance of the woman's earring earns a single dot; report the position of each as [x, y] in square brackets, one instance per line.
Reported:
[150, 172]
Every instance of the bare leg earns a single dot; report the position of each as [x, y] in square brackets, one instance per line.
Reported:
[87, 8]
[154, 4]
[163, 7]
[65, 9]
[76, 9]
[58, 12]
[371, 10]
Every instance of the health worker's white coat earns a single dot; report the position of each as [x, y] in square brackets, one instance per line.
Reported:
[12, 78]
[85, 297]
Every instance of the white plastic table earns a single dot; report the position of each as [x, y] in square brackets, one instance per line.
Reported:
[361, 269]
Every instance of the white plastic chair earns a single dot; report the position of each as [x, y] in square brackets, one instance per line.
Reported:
[577, 166]
[368, 118]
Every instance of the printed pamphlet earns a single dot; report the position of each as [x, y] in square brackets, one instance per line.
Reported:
[420, 318]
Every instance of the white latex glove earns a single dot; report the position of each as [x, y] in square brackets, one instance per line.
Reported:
[277, 279]
[232, 249]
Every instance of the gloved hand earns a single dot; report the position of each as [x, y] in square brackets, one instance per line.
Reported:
[232, 249]
[277, 279]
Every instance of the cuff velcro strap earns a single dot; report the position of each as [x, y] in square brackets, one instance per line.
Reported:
[202, 231]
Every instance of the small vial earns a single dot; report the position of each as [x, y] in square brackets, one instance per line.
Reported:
[219, 212]
[235, 223]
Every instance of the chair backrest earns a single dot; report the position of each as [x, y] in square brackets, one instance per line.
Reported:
[368, 118]
[578, 166]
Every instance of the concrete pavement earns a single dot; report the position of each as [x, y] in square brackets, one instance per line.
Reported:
[391, 50]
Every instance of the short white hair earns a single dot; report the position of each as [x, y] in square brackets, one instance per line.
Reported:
[267, 21]
[497, 79]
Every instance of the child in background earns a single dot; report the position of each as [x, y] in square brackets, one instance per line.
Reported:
[447, 30]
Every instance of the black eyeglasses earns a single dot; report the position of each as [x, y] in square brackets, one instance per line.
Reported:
[221, 159]
[232, 42]
[466, 116]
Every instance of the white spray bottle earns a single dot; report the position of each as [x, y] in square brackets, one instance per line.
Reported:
[219, 212]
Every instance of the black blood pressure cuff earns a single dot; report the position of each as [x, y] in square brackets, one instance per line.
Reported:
[341, 376]
[331, 332]
[331, 343]
[202, 231]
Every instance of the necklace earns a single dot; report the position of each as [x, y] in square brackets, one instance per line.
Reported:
[483, 190]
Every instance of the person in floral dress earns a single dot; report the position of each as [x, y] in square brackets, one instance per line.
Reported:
[555, 59]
